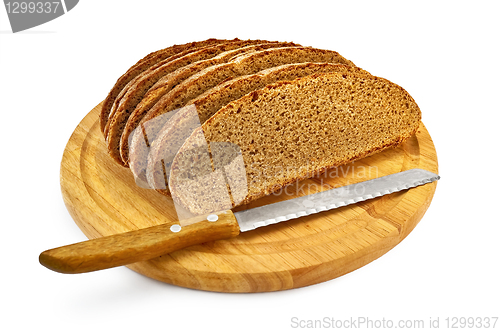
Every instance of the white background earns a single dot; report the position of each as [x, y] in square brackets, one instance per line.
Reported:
[446, 54]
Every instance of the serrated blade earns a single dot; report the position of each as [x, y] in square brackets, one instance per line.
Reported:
[333, 198]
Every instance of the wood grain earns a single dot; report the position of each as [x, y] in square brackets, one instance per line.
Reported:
[103, 199]
[139, 245]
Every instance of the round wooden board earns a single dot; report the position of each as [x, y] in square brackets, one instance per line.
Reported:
[103, 199]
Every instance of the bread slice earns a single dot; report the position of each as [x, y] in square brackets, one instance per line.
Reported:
[176, 131]
[143, 65]
[165, 84]
[286, 132]
[135, 92]
[241, 65]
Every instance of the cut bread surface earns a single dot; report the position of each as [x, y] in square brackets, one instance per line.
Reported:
[289, 130]
[210, 77]
[174, 133]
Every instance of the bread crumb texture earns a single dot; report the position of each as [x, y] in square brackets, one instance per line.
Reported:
[290, 130]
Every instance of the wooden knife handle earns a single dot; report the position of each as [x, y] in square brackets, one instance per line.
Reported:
[143, 244]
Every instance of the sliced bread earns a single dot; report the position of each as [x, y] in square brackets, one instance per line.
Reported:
[241, 65]
[157, 71]
[174, 133]
[286, 132]
[117, 104]
[138, 89]
[124, 94]
[165, 84]
[141, 66]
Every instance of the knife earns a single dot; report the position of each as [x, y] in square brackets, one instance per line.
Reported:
[148, 243]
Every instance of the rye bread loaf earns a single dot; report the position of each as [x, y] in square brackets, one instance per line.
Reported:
[286, 132]
[175, 132]
[136, 91]
[241, 65]
[166, 83]
[141, 66]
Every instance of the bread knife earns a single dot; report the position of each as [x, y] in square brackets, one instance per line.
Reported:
[148, 243]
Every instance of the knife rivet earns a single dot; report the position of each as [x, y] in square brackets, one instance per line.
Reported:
[175, 228]
[212, 217]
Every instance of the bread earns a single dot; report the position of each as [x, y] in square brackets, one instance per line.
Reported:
[134, 93]
[156, 71]
[248, 118]
[167, 82]
[140, 67]
[286, 132]
[241, 65]
[150, 76]
[180, 126]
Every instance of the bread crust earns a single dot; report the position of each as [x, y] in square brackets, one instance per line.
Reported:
[141, 66]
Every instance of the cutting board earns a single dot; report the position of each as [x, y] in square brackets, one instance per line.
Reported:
[103, 199]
